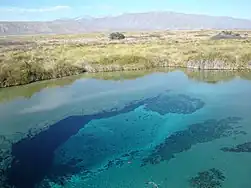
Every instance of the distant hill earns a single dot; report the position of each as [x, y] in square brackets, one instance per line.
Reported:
[125, 22]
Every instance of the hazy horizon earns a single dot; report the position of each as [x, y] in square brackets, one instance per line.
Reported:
[47, 10]
[121, 14]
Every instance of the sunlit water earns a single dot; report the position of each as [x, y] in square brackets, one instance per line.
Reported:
[154, 129]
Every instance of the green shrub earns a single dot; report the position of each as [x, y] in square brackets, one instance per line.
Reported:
[117, 36]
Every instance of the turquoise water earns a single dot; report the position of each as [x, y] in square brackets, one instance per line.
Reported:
[161, 129]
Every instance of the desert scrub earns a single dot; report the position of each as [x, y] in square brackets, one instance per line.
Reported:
[116, 36]
[244, 60]
[19, 68]
[22, 68]
[212, 60]
[69, 56]
[122, 63]
[123, 60]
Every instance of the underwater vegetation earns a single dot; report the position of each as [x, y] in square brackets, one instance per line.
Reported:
[178, 104]
[241, 148]
[5, 158]
[212, 178]
[33, 156]
[196, 133]
[123, 159]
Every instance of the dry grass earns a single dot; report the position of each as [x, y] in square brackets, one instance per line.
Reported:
[64, 55]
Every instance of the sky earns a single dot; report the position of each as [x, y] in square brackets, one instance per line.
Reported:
[42, 10]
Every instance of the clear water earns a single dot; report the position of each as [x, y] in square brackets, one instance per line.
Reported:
[117, 130]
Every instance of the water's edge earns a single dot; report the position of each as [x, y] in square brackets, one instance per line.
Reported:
[196, 65]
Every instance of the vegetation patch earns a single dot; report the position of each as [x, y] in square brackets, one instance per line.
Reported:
[117, 36]
[241, 148]
[178, 104]
[47, 57]
[227, 35]
[23, 68]
[181, 141]
[212, 178]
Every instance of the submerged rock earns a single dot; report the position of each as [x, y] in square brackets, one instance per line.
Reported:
[181, 141]
[241, 148]
[212, 178]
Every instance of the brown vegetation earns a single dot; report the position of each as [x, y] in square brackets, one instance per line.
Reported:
[33, 58]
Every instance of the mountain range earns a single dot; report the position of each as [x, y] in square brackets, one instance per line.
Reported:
[126, 22]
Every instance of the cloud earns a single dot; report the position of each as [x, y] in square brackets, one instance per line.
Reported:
[33, 10]
[49, 101]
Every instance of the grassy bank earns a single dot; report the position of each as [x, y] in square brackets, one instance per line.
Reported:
[42, 58]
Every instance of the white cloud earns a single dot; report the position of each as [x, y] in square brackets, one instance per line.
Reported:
[49, 101]
[31, 10]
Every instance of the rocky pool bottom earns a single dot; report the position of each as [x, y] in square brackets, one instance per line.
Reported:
[197, 136]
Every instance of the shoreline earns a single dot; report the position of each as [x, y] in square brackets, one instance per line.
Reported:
[117, 68]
